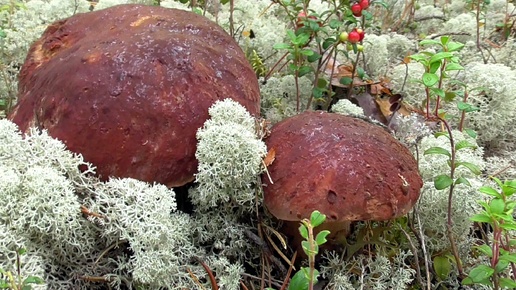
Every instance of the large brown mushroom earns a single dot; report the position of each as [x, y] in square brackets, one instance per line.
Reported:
[129, 86]
[347, 168]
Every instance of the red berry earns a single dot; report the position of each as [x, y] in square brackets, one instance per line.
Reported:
[356, 9]
[364, 4]
[354, 36]
[361, 33]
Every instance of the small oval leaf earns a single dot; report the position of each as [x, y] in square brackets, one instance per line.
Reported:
[442, 267]
[442, 182]
[437, 150]
[321, 237]
[430, 79]
[317, 218]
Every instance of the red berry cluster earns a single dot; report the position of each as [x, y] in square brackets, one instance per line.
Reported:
[357, 7]
[354, 36]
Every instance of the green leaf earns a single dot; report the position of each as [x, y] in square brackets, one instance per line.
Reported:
[291, 35]
[509, 187]
[318, 93]
[328, 42]
[442, 181]
[510, 205]
[22, 251]
[321, 237]
[322, 83]
[313, 24]
[438, 92]
[302, 39]
[441, 133]
[455, 46]
[430, 79]
[471, 133]
[484, 204]
[335, 24]
[442, 267]
[428, 42]
[497, 206]
[299, 281]
[466, 107]
[345, 81]
[462, 180]
[472, 167]
[498, 181]
[464, 144]
[480, 273]
[367, 15]
[434, 66]
[419, 57]
[481, 218]
[440, 56]
[490, 191]
[509, 257]
[313, 57]
[445, 39]
[382, 3]
[280, 46]
[486, 250]
[449, 96]
[306, 248]
[508, 227]
[453, 66]
[317, 218]
[307, 52]
[507, 218]
[303, 70]
[437, 150]
[467, 281]
[303, 231]
[360, 72]
[33, 280]
[501, 266]
[507, 283]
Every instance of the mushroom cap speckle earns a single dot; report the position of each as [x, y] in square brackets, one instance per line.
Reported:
[128, 87]
[347, 168]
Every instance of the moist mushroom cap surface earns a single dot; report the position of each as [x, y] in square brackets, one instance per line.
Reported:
[347, 168]
[128, 87]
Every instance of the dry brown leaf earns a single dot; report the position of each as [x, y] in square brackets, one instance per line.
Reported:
[270, 157]
[379, 89]
[406, 59]
[341, 70]
[385, 106]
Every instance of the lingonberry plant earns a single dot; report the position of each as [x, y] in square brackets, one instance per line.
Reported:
[319, 37]
[498, 213]
[306, 277]
[437, 67]
[14, 280]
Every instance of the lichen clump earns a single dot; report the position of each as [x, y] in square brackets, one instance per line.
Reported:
[63, 217]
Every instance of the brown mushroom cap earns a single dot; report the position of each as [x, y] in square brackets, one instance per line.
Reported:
[345, 167]
[128, 87]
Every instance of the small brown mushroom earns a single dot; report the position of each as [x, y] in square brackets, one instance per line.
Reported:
[128, 87]
[347, 168]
